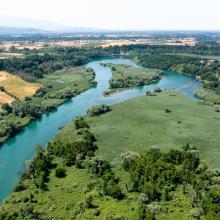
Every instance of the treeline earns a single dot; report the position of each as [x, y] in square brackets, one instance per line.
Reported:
[204, 69]
[37, 65]
[155, 175]
[202, 48]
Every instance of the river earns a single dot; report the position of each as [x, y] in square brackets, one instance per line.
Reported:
[20, 148]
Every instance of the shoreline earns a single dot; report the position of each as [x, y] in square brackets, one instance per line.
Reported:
[49, 110]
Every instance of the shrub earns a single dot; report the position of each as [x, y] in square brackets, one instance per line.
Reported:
[99, 166]
[148, 93]
[128, 159]
[60, 172]
[158, 89]
[88, 200]
[217, 108]
[7, 108]
[2, 88]
[20, 187]
[80, 123]
[98, 110]
[110, 186]
[167, 110]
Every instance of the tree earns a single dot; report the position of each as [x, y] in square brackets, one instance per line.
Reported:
[6, 107]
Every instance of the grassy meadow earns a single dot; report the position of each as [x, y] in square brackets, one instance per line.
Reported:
[134, 125]
[68, 78]
[140, 123]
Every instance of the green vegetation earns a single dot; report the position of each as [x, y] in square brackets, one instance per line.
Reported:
[67, 181]
[57, 88]
[98, 110]
[198, 56]
[37, 64]
[140, 123]
[202, 69]
[124, 76]
[208, 96]
[139, 159]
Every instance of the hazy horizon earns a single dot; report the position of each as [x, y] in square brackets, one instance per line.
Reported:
[121, 15]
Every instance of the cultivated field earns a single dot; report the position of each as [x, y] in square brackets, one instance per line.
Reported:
[5, 98]
[20, 45]
[173, 41]
[10, 55]
[16, 86]
[6, 45]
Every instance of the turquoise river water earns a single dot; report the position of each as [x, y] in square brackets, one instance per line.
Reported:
[20, 148]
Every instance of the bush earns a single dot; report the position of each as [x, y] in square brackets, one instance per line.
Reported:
[20, 187]
[98, 110]
[99, 166]
[158, 89]
[7, 108]
[88, 200]
[167, 110]
[80, 123]
[60, 172]
[114, 191]
[128, 159]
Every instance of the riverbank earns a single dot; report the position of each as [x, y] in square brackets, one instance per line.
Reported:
[125, 76]
[22, 147]
[203, 69]
[75, 186]
[56, 89]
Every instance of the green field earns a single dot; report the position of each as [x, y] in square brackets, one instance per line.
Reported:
[71, 78]
[56, 88]
[140, 123]
[134, 125]
[124, 76]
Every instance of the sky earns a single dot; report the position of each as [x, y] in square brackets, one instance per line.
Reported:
[119, 14]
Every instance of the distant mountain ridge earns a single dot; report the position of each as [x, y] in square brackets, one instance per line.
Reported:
[4, 30]
[19, 31]
[14, 25]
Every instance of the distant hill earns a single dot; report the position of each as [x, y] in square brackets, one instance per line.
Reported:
[17, 25]
[14, 30]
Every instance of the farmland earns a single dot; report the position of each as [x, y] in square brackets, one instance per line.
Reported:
[17, 87]
[44, 96]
